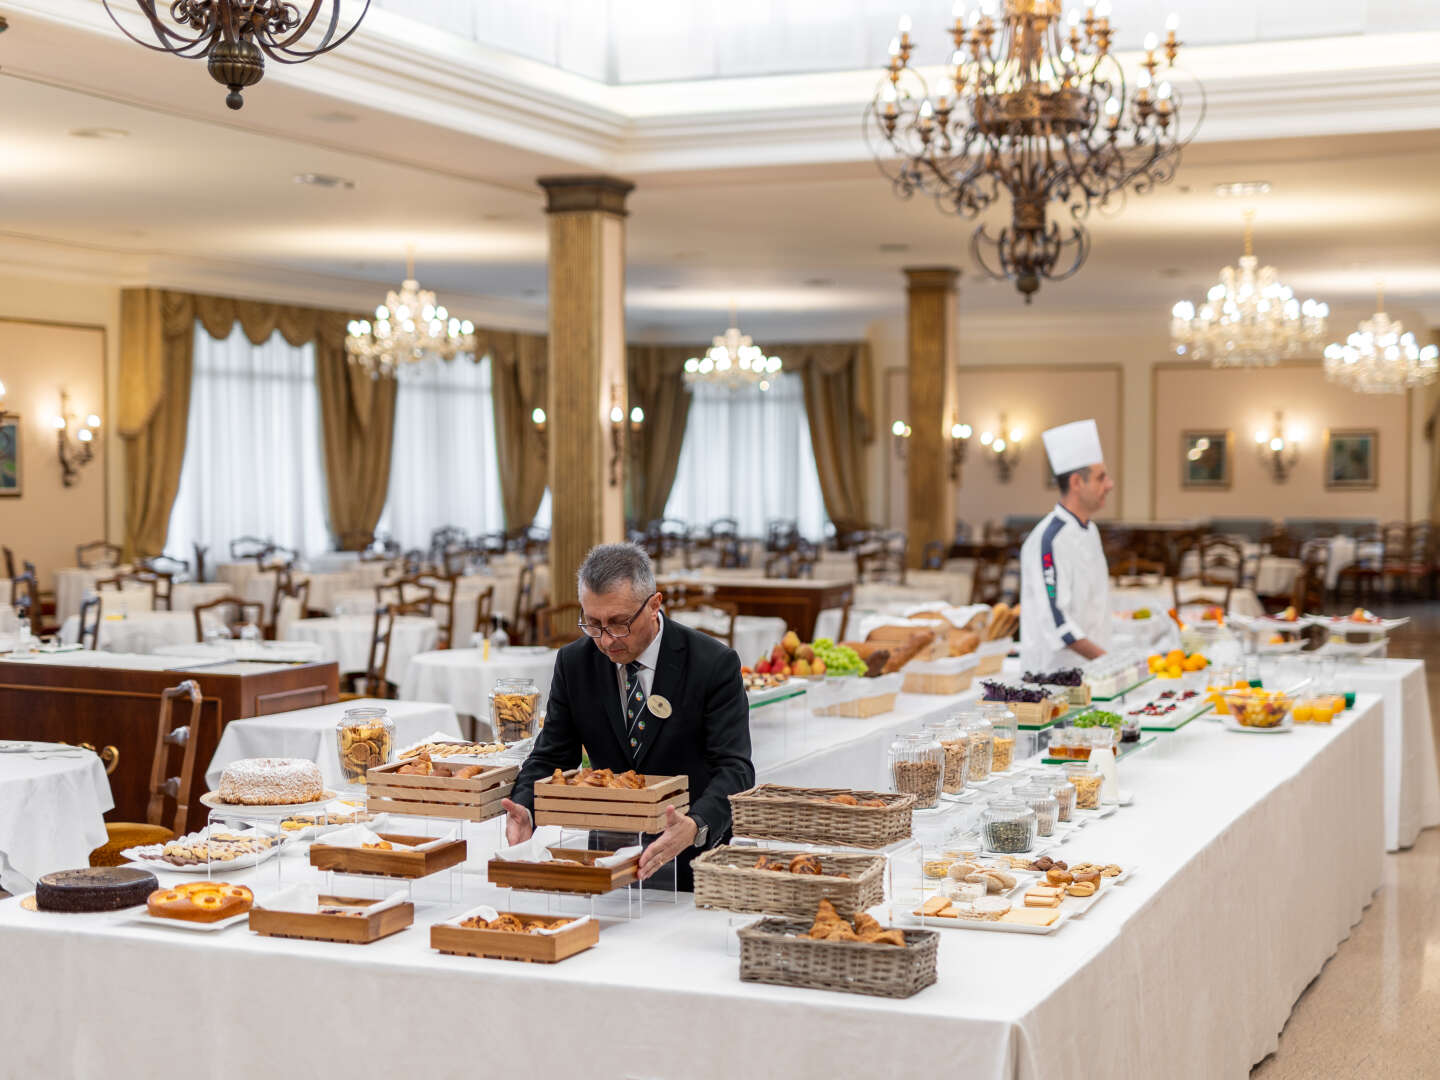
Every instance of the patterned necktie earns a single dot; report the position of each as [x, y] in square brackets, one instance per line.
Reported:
[634, 705]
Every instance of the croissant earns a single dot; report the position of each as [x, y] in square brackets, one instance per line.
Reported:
[805, 864]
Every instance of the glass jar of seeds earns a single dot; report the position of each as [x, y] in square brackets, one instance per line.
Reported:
[956, 746]
[1003, 723]
[1007, 826]
[917, 767]
[981, 735]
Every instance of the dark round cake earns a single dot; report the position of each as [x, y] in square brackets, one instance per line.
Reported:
[94, 888]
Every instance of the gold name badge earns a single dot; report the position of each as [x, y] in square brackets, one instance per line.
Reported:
[658, 706]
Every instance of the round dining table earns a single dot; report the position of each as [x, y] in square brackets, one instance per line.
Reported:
[52, 804]
[345, 639]
[463, 678]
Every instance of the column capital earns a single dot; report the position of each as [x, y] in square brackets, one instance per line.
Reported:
[932, 277]
[565, 194]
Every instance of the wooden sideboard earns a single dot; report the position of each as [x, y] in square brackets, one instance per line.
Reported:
[119, 707]
[798, 601]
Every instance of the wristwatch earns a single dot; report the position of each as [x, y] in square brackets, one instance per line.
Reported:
[702, 831]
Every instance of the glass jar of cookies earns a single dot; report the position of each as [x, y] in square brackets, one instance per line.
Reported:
[1086, 780]
[981, 736]
[513, 702]
[364, 737]
[1005, 728]
[956, 747]
[1007, 826]
[917, 767]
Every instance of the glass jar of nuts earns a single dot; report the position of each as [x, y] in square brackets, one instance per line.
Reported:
[956, 746]
[917, 767]
[512, 709]
[1086, 780]
[981, 734]
[364, 737]
[1007, 826]
[1003, 722]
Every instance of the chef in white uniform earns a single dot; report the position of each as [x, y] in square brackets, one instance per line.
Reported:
[1064, 578]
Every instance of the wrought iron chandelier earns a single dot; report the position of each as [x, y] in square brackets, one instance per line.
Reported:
[1248, 319]
[1381, 357]
[733, 361]
[1038, 110]
[409, 328]
[237, 35]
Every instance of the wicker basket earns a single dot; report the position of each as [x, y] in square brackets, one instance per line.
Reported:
[725, 877]
[769, 953]
[804, 816]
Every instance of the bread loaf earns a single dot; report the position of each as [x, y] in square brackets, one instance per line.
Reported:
[962, 642]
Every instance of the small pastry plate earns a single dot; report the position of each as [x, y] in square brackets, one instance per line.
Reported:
[148, 857]
[142, 917]
[240, 811]
[906, 917]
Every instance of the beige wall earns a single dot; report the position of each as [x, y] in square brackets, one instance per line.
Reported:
[58, 333]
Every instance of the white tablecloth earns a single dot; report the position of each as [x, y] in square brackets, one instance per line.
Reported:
[141, 633]
[755, 635]
[461, 678]
[1143, 983]
[346, 640]
[187, 595]
[1346, 551]
[310, 734]
[72, 583]
[51, 815]
[1161, 598]
[295, 652]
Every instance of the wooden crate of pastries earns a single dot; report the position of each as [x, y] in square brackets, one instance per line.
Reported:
[389, 862]
[792, 883]
[353, 927]
[863, 819]
[514, 939]
[602, 799]
[448, 790]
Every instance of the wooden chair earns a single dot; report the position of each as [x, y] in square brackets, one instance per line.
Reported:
[104, 553]
[1407, 557]
[524, 604]
[557, 626]
[291, 603]
[987, 586]
[374, 680]
[933, 557]
[9, 562]
[175, 789]
[727, 609]
[247, 547]
[250, 611]
[200, 551]
[90, 623]
[847, 598]
[1130, 569]
[1365, 573]
[1308, 593]
[25, 597]
[413, 592]
[163, 571]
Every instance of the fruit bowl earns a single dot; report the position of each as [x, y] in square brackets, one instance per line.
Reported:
[1258, 709]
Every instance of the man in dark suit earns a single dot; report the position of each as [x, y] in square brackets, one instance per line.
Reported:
[643, 693]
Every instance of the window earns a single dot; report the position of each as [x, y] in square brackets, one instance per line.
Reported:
[747, 455]
[252, 450]
[443, 468]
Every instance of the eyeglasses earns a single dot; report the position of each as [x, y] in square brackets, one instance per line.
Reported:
[615, 630]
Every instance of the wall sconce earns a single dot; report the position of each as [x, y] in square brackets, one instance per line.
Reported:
[1004, 448]
[1278, 449]
[959, 445]
[78, 450]
[617, 431]
[899, 434]
[537, 417]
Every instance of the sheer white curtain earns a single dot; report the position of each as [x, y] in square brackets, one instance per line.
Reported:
[747, 455]
[443, 468]
[252, 451]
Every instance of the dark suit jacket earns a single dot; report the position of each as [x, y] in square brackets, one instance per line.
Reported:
[706, 736]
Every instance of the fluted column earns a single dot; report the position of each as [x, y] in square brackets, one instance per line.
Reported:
[587, 368]
[930, 320]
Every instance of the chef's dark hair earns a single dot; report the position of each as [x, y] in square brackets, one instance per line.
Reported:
[1062, 480]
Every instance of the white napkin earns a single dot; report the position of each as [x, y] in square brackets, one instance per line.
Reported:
[356, 835]
[489, 914]
[620, 856]
[536, 849]
[305, 899]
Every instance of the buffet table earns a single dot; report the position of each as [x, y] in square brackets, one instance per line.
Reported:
[1222, 925]
[51, 811]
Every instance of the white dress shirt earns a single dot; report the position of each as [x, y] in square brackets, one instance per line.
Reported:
[648, 659]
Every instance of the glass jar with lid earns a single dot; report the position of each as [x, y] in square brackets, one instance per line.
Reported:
[1007, 826]
[364, 737]
[1003, 722]
[1040, 797]
[1053, 777]
[513, 702]
[1086, 780]
[981, 735]
[956, 747]
[917, 767]
[1129, 727]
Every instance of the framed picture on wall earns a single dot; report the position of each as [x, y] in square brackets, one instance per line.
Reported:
[1352, 459]
[1205, 459]
[9, 454]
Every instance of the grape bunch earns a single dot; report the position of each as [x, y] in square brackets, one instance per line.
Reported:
[839, 659]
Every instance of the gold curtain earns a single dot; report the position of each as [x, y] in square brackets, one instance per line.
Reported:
[357, 419]
[519, 364]
[157, 340]
[841, 416]
[655, 374]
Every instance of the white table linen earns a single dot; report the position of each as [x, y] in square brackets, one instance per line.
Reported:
[141, 633]
[73, 582]
[1160, 598]
[1347, 551]
[310, 734]
[755, 635]
[346, 640]
[462, 679]
[51, 815]
[188, 595]
[291, 652]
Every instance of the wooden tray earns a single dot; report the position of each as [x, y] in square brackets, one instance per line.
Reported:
[920, 683]
[547, 877]
[656, 788]
[346, 929]
[476, 798]
[456, 940]
[622, 809]
[397, 864]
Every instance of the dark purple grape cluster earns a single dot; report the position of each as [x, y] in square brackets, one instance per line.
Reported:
[1064, 677]
[999, 691]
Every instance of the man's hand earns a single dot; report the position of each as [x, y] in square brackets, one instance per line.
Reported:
[519, 826]
[679, 834]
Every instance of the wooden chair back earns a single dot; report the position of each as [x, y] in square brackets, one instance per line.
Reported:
[484, 613]
[1200, 591]
[251, 611]
[1130, 569]
[90, 623]
[377, 665]
[728, 611]
[200, 551]
[292, 603]
[557, 625]
[933, 557]
[248, 547]
[185, 735]
[1308, 594]
[412, 591]
[988, 583]
[9, 562]
[25, 597]
[847, 598]
[97, 554]
[524, 602]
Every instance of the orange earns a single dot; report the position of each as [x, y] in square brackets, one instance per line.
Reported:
[1175, 656]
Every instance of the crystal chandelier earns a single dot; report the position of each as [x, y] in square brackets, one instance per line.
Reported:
[1381, 358]
[1248, 319]
[1039, 111]
[733, 361]
[408, 329]
[237, 35]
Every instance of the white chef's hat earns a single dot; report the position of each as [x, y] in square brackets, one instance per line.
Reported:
[1073, 446]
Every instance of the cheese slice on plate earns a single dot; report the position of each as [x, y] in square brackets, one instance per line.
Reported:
[1031, 916]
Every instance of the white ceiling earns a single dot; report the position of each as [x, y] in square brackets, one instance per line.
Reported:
[202, 197]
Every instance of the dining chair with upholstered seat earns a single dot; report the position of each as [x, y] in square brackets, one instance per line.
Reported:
[291, 604]
[243, 611]
[727, 610]
[97, 555]
[175, 789]
[248, 547]
[89, 636]
[374, 681]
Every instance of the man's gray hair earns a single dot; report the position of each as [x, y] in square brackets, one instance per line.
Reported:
[609, 565]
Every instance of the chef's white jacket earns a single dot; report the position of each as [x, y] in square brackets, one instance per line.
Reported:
[1064, 591]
